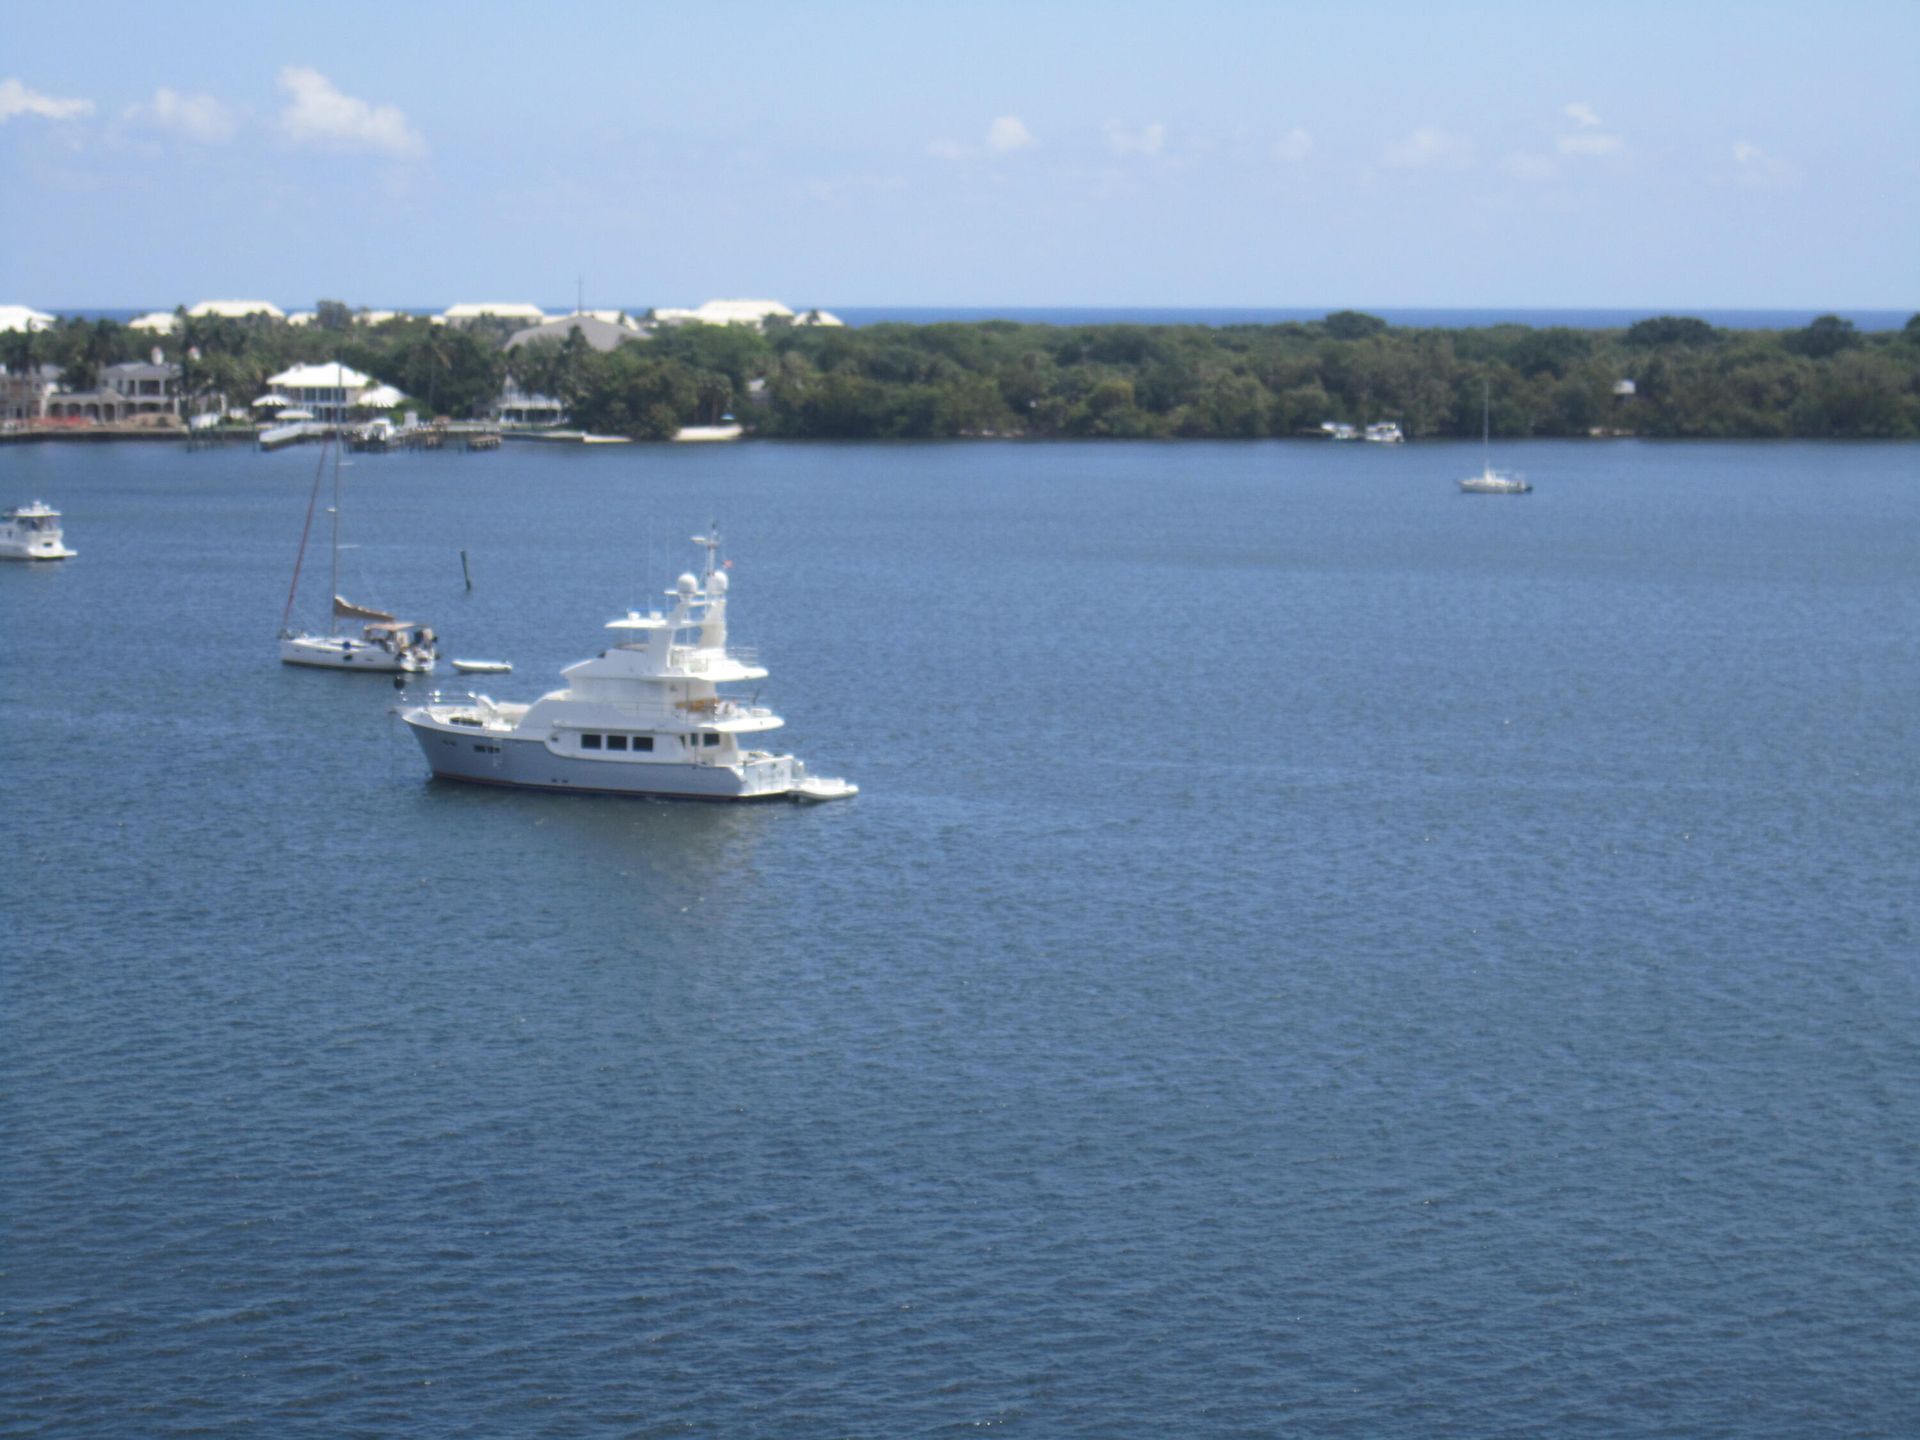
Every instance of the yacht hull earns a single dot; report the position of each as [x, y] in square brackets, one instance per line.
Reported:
[491, 758]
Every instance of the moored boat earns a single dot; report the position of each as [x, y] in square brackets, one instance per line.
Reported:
[1491, 481]
[385, 645]
[32, 532]
[644, 717]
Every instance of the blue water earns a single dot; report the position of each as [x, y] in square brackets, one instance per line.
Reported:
[1315, 954]
[1458, 318]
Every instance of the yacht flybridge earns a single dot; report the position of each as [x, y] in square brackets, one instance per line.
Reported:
[644, 717]
[32, 532]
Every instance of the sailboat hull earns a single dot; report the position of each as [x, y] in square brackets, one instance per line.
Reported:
[338, 652]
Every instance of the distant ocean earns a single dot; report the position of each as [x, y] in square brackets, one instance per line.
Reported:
[1446, 319]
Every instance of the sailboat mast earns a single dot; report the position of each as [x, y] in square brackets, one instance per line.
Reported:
[306, 529]
[333, 579]
[1486, 430]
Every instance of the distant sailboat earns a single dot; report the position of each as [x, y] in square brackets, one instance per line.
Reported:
[1491, 481]
[384, 645]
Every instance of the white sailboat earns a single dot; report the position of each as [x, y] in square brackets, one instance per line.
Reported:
[385, 645]
[1491, 481]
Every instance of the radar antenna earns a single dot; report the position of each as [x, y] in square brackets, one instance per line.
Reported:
[710, 542]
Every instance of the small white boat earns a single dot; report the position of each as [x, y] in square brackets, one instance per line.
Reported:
[483, 667]
[644, 717]
[32, 532]
[816, 788]
[1385, 432]
[1491, 481]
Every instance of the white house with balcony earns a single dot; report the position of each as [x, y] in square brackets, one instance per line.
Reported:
[327, 392]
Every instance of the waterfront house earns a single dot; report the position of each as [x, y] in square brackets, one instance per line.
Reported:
[327, 392]
[521, 407]
[126, 392]
[155, 322]
[152, 388]
[24, 395]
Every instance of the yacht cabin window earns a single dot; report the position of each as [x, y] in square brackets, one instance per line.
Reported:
[616, 742]
[589, 742]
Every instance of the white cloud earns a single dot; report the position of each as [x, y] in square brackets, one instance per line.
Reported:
[1530, 167]
[198, 117]
[319, 114]
[1005, 135]
[17, 99]
[1293, 147]
[1590, 144]
[1148, 140]
[837, 187]
[1428, 147]
[1008, 133]
[1754, 166]
[1582, 114]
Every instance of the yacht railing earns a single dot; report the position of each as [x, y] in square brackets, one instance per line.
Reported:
[698, 662]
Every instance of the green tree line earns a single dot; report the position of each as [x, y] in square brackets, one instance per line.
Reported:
[999, 378]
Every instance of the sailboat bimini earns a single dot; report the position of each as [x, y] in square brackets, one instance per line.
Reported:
[384, 645]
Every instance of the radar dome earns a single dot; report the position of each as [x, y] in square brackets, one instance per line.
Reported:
[687, 585]
[718, 585]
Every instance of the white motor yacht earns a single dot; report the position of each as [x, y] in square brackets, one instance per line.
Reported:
[32, 532]
[644, 717]
[1385, 432]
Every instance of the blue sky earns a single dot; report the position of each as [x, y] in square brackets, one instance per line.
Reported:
[1206, 153]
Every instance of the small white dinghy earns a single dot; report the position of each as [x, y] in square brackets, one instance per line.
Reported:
[483, 667]
[816, 788]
